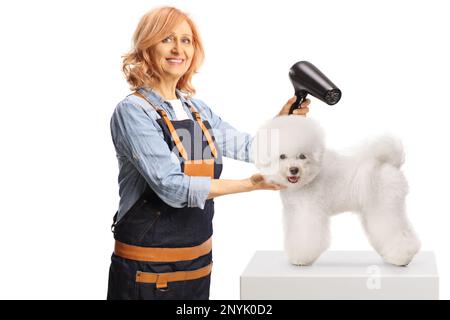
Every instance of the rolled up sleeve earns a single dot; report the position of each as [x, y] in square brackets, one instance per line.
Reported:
[198, 191]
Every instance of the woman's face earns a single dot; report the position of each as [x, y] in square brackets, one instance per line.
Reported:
[174, 53]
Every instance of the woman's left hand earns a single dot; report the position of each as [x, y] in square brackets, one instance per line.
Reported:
[302, 111]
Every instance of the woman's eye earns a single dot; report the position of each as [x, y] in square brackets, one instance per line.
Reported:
[283, 156]
[302, 156]
[167, 40]
[187, 40]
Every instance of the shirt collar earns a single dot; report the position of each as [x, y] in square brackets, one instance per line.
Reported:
[155, 98]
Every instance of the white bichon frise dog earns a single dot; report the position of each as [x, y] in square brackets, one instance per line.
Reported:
[290, 150]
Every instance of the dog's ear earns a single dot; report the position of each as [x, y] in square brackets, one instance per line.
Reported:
[260, 158]
[264, 147]
[263, 162]
[318, 154]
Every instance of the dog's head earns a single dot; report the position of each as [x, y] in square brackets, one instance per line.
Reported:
[288, 150]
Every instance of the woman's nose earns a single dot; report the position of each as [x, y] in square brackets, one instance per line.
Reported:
[175, 47]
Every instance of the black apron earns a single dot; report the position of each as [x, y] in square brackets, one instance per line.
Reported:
[151, 223]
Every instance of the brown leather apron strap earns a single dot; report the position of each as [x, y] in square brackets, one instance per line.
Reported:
[205, 131]
[173, 132]
[169, 124]
[161, 279]
[161, 254]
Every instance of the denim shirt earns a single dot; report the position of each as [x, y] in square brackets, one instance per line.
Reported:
[144, 157]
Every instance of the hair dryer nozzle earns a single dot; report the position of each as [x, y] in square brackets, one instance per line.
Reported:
[333, 96]
[307, 79]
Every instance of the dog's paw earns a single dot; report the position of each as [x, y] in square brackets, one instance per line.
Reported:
[401, 250]
[301, 264]
[303, 260]
[305, 254]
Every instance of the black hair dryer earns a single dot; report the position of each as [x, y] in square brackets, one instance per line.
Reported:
[306, 78]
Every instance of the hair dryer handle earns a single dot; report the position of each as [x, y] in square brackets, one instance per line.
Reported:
[301, 95]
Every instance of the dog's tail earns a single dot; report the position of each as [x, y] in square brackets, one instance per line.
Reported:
[385, 149]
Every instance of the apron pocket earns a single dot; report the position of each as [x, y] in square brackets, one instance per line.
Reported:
[139, 222]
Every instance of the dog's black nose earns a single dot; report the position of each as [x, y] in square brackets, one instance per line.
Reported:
[293, 170]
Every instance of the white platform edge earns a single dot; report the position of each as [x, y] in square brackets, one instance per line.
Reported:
[339, 275]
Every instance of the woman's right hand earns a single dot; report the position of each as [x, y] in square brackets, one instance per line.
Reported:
[302, 111]
[258, 182]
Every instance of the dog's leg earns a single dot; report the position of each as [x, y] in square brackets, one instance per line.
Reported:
[307, 235]
[385, 220]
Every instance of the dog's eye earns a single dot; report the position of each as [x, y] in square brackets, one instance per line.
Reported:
[302, 156]
[283, 156]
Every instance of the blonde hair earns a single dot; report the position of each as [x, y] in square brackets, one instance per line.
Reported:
[139, 65]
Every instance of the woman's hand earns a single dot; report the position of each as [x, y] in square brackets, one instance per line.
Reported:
[221, 187]
[259, 183]
[302, 111]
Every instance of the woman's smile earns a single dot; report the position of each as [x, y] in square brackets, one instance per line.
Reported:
[174, 61]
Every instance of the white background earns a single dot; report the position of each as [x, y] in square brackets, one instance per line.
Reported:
[60, 80]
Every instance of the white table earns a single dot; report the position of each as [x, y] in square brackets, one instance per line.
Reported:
[339, 275]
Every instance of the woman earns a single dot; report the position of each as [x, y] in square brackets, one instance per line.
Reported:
[169, 147]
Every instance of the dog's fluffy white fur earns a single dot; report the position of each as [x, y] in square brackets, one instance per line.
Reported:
[290, 150]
